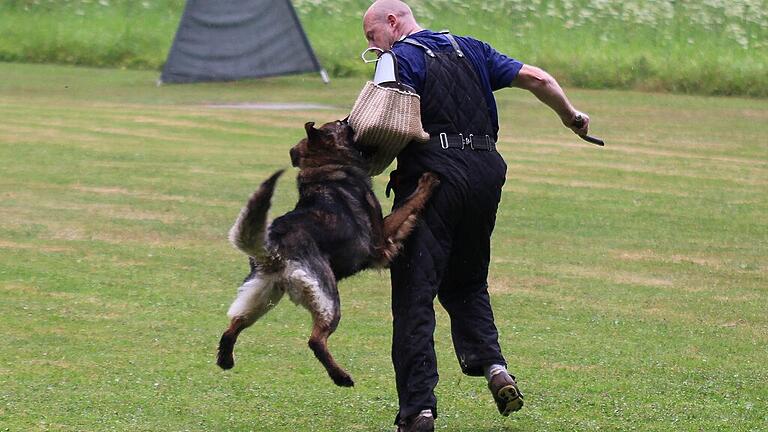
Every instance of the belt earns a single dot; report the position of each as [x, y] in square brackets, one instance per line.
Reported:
[461, 141]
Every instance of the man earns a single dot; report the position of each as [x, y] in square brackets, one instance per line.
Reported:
[449, 253]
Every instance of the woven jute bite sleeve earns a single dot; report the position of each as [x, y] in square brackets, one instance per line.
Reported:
[385, 120]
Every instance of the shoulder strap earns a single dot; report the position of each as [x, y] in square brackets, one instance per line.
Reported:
[413, 42]
[453, 42]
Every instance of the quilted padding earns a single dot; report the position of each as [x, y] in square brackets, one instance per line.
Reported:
[452, 100]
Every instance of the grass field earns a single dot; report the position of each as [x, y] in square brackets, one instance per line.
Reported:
[685, 46]
[630, 283]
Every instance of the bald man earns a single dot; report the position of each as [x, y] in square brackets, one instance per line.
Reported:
[449, 253]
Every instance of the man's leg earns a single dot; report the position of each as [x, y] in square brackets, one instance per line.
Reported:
[413, 351]
[464, 294]
[416, 274]
[464, 288]
[475, 340]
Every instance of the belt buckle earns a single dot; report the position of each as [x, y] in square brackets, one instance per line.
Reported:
[470, 141]
[491, 145]
[443, 140]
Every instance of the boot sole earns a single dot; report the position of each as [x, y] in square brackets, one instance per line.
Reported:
[510, 400]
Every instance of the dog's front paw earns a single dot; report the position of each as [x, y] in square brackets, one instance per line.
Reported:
[429, 180]
[343, 380]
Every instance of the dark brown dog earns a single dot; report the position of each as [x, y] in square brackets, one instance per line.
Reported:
[335, 231]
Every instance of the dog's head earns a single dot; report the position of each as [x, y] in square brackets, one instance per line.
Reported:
[332, 143]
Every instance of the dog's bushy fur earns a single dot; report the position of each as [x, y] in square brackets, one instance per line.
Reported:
[335, 231]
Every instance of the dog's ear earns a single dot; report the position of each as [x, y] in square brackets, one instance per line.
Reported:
[311, 130]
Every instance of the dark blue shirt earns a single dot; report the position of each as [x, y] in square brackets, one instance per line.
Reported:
[495, 70]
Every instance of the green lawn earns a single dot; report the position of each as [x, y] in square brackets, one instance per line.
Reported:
[630, 282]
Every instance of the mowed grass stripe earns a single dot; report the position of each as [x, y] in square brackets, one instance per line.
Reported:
[575, 152]
[132, 130]
[637, 147]
[660, 311]
[198, 116]
[745, 178]
[636, 179]
[80, 215]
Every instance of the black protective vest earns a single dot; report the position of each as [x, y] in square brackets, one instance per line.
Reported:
[452, 100]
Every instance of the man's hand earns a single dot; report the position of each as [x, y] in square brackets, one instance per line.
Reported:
[544, 87]
[578, 122]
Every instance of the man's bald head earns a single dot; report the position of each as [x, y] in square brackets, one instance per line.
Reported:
[381, 8]
[386, 21]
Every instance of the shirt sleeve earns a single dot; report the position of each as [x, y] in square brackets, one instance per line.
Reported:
[411, 66]
[502, 70]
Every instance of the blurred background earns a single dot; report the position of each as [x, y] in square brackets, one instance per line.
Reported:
[712, 47]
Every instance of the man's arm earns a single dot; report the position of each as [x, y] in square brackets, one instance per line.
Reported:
[546, 88]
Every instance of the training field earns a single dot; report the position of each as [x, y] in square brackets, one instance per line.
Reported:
[630, 282]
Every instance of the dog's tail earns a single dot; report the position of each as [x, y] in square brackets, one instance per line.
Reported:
[248, 232]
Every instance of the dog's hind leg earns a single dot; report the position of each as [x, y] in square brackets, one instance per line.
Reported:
[255, 297]
[318, 342]
[399, 224]
[320, 296]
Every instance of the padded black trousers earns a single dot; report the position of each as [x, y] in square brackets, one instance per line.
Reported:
[447, 257]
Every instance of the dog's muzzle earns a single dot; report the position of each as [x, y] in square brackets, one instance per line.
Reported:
[294, 157]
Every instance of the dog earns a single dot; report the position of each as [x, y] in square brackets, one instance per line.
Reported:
[336, 230]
